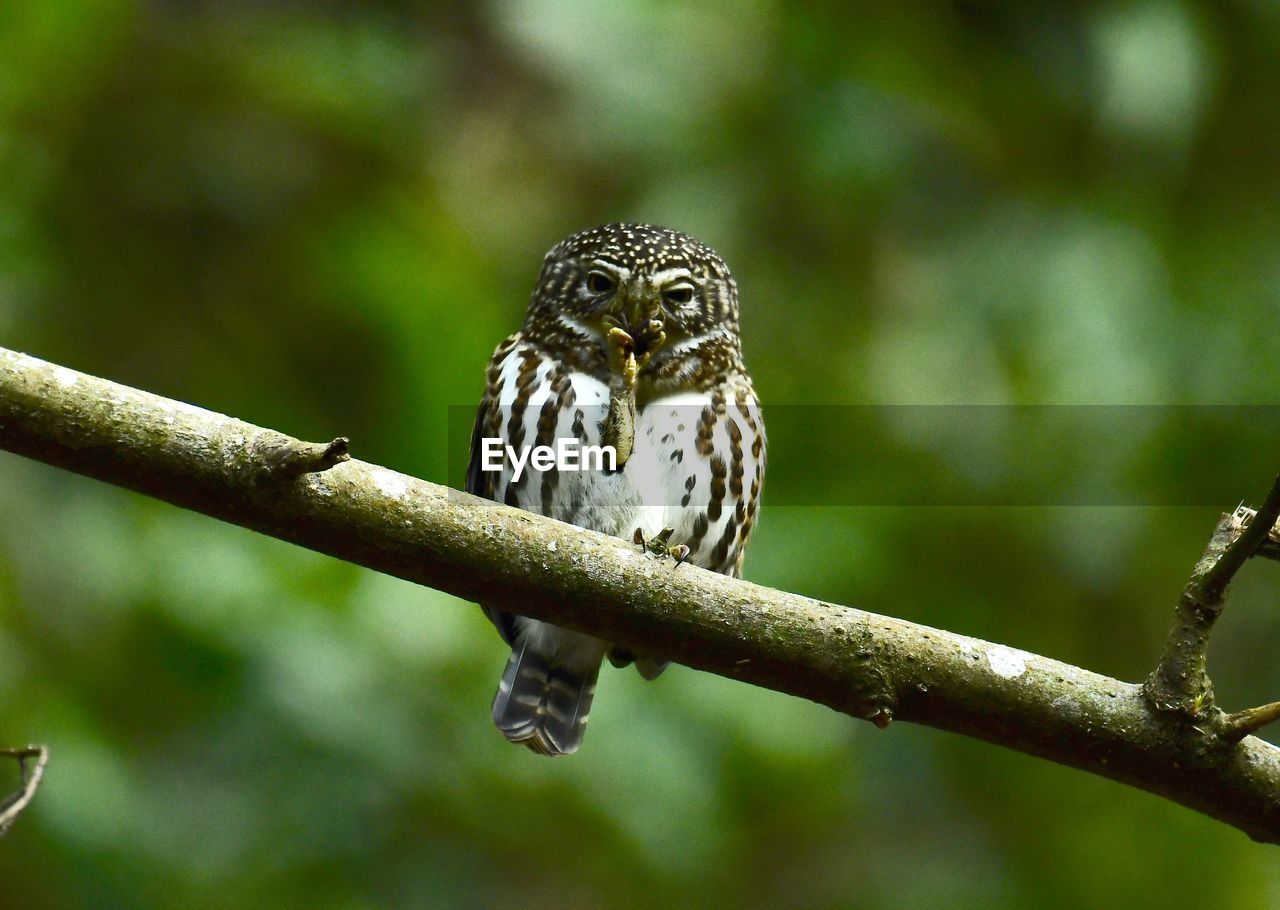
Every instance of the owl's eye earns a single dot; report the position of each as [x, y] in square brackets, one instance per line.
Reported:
[599, 283]
[678, 295]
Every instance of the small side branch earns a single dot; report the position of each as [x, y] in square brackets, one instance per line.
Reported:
[291, 458]
[1235, 727]
[1180, 683]
[1257, 529]
[31, 764]
[1269, 548]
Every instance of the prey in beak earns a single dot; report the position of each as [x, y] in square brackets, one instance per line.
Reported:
[629, 350]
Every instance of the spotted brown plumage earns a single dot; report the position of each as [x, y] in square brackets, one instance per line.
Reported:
[653, 314]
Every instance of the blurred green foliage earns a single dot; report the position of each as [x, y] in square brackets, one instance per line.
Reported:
[321, 217]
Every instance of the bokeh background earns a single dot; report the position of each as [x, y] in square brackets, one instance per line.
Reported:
[321, 217]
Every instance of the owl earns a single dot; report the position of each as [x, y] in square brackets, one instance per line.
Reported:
[630, 345]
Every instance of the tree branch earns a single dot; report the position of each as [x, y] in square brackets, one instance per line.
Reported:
[869, 666]
[1180, 683]
[13, 804]
[1242, 723]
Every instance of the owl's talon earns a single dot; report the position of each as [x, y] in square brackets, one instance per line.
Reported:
[680, 552]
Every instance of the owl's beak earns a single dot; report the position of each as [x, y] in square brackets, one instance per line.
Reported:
[636, 309]
[640, 312]
[638, 315]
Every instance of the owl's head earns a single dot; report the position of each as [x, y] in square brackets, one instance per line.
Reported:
[628, 275]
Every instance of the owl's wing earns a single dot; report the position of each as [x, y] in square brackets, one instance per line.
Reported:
[482, 483]
[479, 483]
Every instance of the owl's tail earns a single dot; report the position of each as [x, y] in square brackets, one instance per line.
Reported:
[543, 704]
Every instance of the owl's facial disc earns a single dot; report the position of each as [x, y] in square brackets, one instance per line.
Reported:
[612, 295]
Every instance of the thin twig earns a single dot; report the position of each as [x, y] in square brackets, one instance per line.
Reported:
[12, 805]
[1214, 582]
[1236, 726]
[1180, 683]
[1261, 537]
[1270, 546]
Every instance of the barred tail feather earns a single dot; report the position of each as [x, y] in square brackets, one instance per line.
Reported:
[543, 704]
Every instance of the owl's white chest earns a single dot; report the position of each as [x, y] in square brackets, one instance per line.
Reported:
[692, 468]
[645, 493]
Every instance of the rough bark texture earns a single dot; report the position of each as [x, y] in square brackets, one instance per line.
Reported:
[869, 666]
